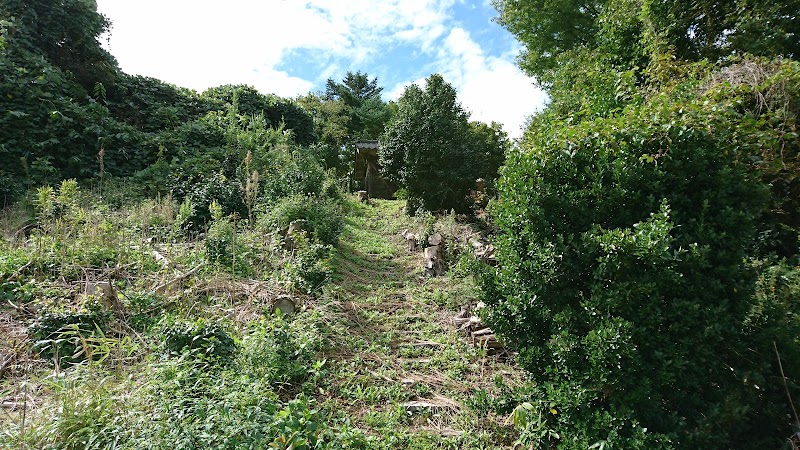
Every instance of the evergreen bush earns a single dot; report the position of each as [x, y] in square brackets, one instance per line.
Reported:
[623, 279]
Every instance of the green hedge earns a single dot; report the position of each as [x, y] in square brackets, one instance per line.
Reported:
[624, 284]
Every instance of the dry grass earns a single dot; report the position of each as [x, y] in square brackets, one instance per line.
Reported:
[752, 73]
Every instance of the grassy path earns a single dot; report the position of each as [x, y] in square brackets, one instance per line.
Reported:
[398, 369]
[394, 367]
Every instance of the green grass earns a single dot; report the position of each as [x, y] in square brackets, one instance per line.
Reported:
[334, 375]
[393, 342]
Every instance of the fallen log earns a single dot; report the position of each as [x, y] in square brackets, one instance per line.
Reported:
[479, 335]
[162, 287]
[482, 332]
[488, 341]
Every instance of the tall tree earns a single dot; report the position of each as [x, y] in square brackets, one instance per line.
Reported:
[548, 29]
[367, 112]
[354, 89]
[66, 33]
[432, 150]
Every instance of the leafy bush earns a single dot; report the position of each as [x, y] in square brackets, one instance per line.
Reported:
[290, 171]
[772, 327]
[226, 192]
[202, 338]
[623, 283]
[62, 204]
[280, 351]
[322, 217]
[144, 309]
[57, 332]
[757, 105]
[310, 265]
[223, 244]
[152, 105]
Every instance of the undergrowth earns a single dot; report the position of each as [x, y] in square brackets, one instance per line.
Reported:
[180, 347]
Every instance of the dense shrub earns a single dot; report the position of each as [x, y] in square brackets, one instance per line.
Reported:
[275, 110]
[322, 217]
[623, 280]
[57, 332]
[310, 265]
[291, 171]
[227, 192]
[202, 338]
[152, 105]
[280, 351]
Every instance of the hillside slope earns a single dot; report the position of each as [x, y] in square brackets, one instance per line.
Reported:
[197, 360]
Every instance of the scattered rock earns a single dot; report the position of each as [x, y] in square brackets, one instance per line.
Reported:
[285, 304]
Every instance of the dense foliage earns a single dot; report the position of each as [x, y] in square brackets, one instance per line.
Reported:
[627, 33]
[273, 109]
[368, 113]
[69, 112]
[39, 26]
[433, 151]
[643, 221]
[627, 236]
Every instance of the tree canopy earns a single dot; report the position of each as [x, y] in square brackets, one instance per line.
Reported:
[367, 112]
[626, 32]
[66, 33]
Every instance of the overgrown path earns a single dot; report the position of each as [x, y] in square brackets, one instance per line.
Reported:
[398, 368]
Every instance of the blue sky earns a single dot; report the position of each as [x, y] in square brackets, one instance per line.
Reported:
[290, 47]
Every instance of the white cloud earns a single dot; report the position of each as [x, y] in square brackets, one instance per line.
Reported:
[490, 88]
[203, 44]
[200, 44]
